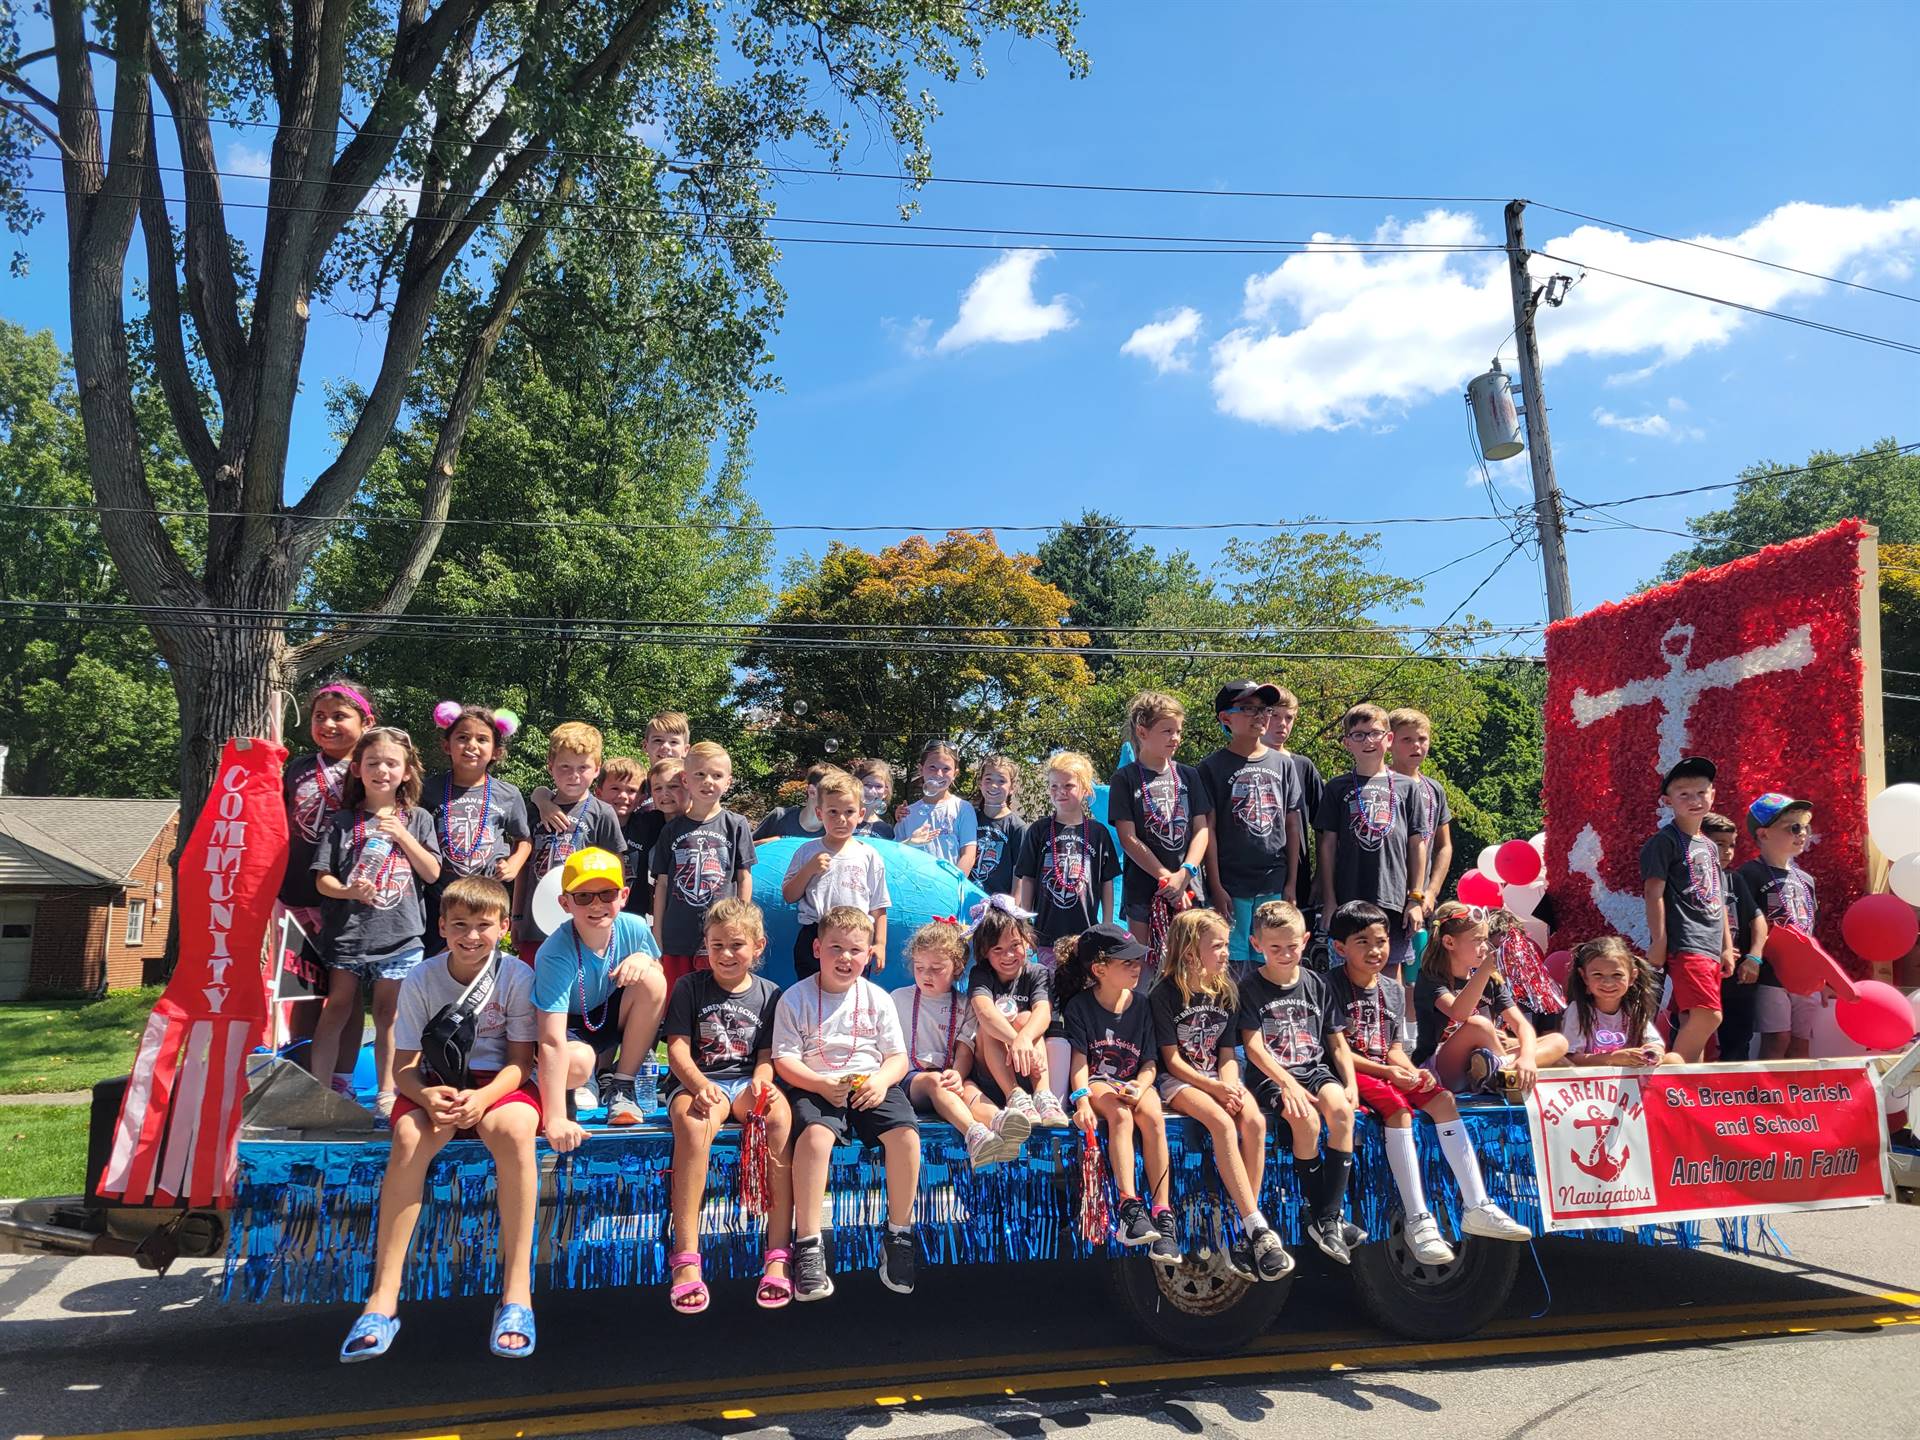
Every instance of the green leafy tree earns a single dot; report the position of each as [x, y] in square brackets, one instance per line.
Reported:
[92, 709]
[1109, 579]
[503, 122]
[847, 660]
[1900, 659]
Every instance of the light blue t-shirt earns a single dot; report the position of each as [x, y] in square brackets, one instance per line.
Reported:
[567, 966]
[951, 822]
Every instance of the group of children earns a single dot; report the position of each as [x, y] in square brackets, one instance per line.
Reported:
[1033, 1015]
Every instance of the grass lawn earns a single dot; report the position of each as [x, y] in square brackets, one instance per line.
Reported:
[43, 1150]
[52, 1046]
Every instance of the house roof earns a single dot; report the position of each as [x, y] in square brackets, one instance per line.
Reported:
[76, 841]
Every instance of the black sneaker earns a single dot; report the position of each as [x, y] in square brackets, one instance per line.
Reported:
[1333, 1244]
[1136, 1226]
[1165, 1249]
[1270, 1257]
[897, 1260]
[1240, 1260]
[810, 1278]
[1353, 1235]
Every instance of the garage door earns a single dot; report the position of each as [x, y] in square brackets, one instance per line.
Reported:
[16, 946]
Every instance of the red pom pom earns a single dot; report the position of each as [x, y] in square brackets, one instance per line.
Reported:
[1518, 862]
[1477, 889]
[1879, 929]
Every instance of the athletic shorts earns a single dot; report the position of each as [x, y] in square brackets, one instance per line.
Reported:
[525, 1095]
[1240, 943]
[892, 1113]
[805, 962]
[674, 966]
[393, 967]
[1778, 1012]
[1313, 1079]
[1387, 1099]
[1696, 981]
[599, 1029]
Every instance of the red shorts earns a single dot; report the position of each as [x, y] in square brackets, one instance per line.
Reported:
[405, 1105]
[674, 966]
[1387, 1099]
[527, 950]
[1696, 981]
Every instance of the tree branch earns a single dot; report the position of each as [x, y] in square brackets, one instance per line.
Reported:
[327, 650]
[169, 344]
[42, 126]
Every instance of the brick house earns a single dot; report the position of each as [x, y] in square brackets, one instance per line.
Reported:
[84, 890]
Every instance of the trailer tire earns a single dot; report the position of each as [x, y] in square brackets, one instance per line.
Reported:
[1423, 1302]
[1201, 1308]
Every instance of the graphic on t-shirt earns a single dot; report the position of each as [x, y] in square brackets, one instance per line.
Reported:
[1197, 1031]
[1284, 1026]
[1370, 813]
[1367, 1027]
[699, 871]
[550, 850]
[1608, 1035]
[466, 838]
[1703, 878]
[1164, 811]
[1789, 901]
[392, 880]
[1258, 799]
[316, 795]
[993, 844]
[726, 1034]
[1113, 1058]
[1065, 873]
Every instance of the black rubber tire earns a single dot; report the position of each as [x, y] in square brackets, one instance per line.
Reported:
[1424, 1304]
[1190, 1312]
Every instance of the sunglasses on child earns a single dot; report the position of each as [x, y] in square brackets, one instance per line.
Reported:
[1798, 829]
[595, 897]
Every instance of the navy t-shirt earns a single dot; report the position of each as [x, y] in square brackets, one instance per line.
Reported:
[1116, 1045]
[1162, 806]
[999, 841]
[1251, 800]
[1071, 866]
[1199, 1027]
[594, 826]
[1696, 896]
[1785, 896]
[1372, 818]
[726, 1031]
[698, 860]
[1293, 1019]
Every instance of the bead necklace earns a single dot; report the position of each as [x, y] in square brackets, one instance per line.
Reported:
[463, 856]
[953, 1020]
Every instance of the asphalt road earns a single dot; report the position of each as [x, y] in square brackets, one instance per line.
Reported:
[1632, 1339]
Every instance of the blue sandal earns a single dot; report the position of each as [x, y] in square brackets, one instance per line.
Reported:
[512, 1320]
[380, 1329]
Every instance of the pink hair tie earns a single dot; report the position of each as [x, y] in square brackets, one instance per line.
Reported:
[352, 696]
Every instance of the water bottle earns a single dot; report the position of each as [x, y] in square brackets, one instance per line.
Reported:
[646, 1086]
[375, 854]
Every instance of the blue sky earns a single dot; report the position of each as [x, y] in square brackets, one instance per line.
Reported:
[1331, 385]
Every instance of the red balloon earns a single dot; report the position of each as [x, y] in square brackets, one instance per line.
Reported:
[1477, 889]
[1879, 928]
[1802, 963]
[1560, 966]
[1518, 862]
[1878, 1016]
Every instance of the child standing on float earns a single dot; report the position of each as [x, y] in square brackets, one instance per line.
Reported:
[940, 822]
[372, 870]
[1162, 813]
[481, 821]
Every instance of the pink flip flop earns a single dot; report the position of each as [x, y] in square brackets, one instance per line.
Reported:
[688, 1290]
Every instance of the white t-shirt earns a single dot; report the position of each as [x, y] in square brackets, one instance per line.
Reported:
[837, 1035]
[1609, 1034]
[928, 1046]
[508, 1014]
[857, 877]
[951, 825]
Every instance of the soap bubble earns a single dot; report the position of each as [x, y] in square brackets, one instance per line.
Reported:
[799, 707]
[831, 745]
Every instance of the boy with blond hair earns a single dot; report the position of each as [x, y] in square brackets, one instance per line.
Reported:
[1689, 929]
[1411, 735]
[1373, 836]
[667, 797]
[835, 870]
[704, 854]
[579, 821]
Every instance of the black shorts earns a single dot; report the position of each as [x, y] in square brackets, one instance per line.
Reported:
[893, 1112]
[605, 1039]
[805, 962]
[1313, 1079]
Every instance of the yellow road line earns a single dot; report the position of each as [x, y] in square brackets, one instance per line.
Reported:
[992, 1370]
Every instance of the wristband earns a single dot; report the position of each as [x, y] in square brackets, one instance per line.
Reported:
[1191, 869]
[1753, 960]
[1074, 1097]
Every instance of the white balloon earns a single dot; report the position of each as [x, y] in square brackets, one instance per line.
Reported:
[1485, 865]
[1904, 879]
[1539, 842]
[1893, 819]
[547, 913]
[1523, 900]
[1537, 932]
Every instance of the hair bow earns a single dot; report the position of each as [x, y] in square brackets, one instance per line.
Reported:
[946, 920]
[1003, 903]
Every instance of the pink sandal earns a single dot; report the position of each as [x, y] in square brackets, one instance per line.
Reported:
[688, 1290]
[775, 1290]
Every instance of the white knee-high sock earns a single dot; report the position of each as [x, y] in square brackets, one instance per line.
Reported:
[1463, 1162]
[1404, 1159]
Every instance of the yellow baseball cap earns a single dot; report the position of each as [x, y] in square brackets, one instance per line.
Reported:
[586, 866]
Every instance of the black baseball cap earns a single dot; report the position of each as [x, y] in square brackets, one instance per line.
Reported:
[1693, 767]
[1110, 942]
[1235, 692]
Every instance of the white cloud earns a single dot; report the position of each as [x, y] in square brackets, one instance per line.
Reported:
[1334, 339]
[999, 306]
[1166, 343]
[1677, 406]
[1514, 474]
[244, 159]
[1631, 377]
[1654, 426]
[910, 335]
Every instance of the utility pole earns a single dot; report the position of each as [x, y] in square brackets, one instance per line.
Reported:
[1549, 516]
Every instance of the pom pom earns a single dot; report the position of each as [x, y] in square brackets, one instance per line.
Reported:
[506, 722]
[446, 712]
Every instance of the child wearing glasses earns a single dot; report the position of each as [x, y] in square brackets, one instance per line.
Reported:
[1783, 827]
[1373, 825]
[1254, 853]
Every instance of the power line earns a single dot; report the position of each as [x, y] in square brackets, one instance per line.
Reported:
[1861, 335]
[1760, 479]
[1730, 254]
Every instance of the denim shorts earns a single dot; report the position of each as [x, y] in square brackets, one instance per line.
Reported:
[394, 967]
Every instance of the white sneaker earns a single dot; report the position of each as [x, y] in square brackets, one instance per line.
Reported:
[1010, 1129]
[586, 1097]
[1494, 1223]
[983, 1147]
[1423, 1239]
[1021, 1103]
[1049, 1112]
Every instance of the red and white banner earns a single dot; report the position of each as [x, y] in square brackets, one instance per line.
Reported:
[1642, 1147]
[180, 1119]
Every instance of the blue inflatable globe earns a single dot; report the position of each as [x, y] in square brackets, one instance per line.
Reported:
[918, 886]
